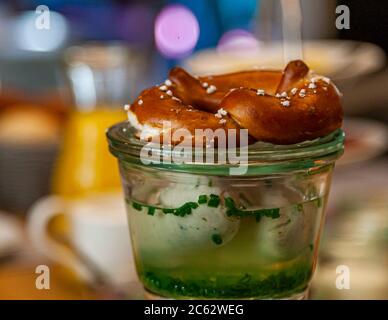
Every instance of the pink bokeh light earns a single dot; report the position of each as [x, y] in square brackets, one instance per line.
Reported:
[238, 40]
[176, 31]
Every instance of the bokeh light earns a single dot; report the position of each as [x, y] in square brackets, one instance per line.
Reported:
[136, 24]
[176, 31]
[238, 40]
[29, 37]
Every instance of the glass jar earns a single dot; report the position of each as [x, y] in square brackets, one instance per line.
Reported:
[199, 232]
[99, 75]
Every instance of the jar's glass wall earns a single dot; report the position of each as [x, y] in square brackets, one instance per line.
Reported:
[222, 236]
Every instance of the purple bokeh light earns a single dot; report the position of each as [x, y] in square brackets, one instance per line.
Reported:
[176, 31]
[135, 24]
[238, 40]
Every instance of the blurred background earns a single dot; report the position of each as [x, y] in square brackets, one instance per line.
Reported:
[68, 67]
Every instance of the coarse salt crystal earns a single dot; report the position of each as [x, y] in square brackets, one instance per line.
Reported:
[168, 82]
[222, 121]
[285, 103]
[312, 85]
[163, 88]
[169, 92]
[211, 89]
[283, 94]
[260, 92]
[222, 112]
[294, 91]
[161, 96]
[205, 85]
[324, 79]
[127, 107]
[140, 102]
[302, 93]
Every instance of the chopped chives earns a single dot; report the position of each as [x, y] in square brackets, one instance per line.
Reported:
[193, 205]
[229, 203]
[183, 210]
[233, 211]
[214, 201]
[217, 239]
[272, 213]
[202, 199]
[151, 210]
[137, 206]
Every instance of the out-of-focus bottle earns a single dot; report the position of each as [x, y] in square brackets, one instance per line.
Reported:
[99, 76]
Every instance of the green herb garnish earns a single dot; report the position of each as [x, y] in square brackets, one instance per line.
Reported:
[232, 210]
[202, 199]
[185, 209]
[214, 201]
[217, 239]
[229, 203]
[137, 206]
[181, 211]
[151, 210]
[275, 285]
[270, 213]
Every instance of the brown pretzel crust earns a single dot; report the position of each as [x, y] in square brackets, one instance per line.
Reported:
[266, 119]
[154, 110]
[289, 107]
[192, 91]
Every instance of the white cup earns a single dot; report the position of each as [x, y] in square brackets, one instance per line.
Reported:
[98, 235]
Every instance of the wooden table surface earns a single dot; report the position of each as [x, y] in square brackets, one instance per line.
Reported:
[18, 277]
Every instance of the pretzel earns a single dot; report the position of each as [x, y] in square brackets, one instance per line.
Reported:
[278, 107]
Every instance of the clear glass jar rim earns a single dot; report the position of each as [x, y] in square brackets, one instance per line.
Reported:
[124, 145]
